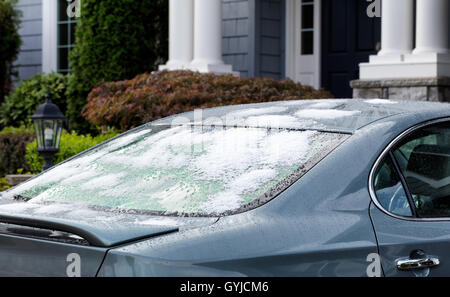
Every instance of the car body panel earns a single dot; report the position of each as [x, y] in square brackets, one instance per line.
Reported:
[319, 226]
[400, 238]
[310, 229]
[99, 234]
[349, 115]
[28, 257]
[327, 233]
[397, 238]
[99, 228]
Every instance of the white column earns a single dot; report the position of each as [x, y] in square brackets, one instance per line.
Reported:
[396, 60]
[397, 27]
[208, 37]
[432, 26]
[181, 34]
[49, 35]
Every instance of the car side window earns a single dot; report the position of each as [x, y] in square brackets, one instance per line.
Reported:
[424, 161]
[389, 189]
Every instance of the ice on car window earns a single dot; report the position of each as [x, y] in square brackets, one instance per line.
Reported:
[184, 170]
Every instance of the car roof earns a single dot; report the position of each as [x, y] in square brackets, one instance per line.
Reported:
[335, 115]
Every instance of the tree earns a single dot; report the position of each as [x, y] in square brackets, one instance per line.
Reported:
[115, 40]
[10, 43]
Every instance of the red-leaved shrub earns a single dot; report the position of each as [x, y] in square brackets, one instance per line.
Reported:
[148, 97]
[12, 153]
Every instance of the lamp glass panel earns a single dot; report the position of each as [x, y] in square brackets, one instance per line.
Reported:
[52, 132]
[58, 131]
[39, 131]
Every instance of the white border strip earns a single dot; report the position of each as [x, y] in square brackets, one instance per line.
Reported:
[49, 35]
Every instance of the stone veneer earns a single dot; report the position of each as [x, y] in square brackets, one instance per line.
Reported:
[421, 89]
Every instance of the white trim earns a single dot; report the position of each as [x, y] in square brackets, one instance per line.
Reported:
[303, 68]
[432, 27]
[318, 41]
[195, 38]
[290, 42]
[208, 38]
[397, 28]
[181, 34]
[49, 35]
[412, 66]
[431, 58]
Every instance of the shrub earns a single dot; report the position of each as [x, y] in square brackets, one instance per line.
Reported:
[13, 142]
[4, 184]
[9, 43]
[24, 100]
[115, 40]
[71, 145]
[22, 130]
[126, 104]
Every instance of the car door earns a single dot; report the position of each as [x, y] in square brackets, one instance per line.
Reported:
[410, 210]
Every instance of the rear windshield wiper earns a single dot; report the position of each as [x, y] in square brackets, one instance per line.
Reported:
[21, 198]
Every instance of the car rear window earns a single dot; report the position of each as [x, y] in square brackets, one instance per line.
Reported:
[184, 170]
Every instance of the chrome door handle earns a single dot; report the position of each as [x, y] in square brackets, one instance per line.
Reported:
[408, 264]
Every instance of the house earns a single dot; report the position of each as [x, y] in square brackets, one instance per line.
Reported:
[361, 48]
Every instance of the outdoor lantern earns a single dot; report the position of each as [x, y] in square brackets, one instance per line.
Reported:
[48, 123]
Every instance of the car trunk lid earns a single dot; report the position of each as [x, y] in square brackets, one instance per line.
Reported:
[63, 240]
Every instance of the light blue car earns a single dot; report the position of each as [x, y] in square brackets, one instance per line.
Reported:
[295, 188]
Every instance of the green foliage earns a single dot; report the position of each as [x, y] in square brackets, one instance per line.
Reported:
[115, 40]
[71, 145]
[148, 97]
[17, 130]
[4, 184]
[24, 100]
[9, 43]
[13, 142]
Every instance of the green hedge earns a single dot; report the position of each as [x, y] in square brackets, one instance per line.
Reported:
[24, 100]
[13, 142]
[115, 40]
[9, 43]
[18, 151]
[4, 184]
[127, 104]
[71, 145]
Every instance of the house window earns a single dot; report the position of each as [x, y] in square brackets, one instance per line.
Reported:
[307, 27]
[66, 36]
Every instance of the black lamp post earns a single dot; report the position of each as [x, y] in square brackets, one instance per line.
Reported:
[48, 123]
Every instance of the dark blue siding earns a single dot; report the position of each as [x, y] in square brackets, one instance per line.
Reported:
[253, 37]
[235, 42]
[29, 61]
[269, 41]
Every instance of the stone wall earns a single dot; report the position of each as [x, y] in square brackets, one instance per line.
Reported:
[424, 89]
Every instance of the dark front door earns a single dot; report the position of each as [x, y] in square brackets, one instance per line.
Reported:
[349, 37]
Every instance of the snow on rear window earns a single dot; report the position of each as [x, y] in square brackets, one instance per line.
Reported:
[185, 170]
[325, 113]
[258, 111]
[380, 101]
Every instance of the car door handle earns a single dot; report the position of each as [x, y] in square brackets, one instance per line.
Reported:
[409, 264]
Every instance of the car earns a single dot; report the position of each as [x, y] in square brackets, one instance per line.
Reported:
[294, 188]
